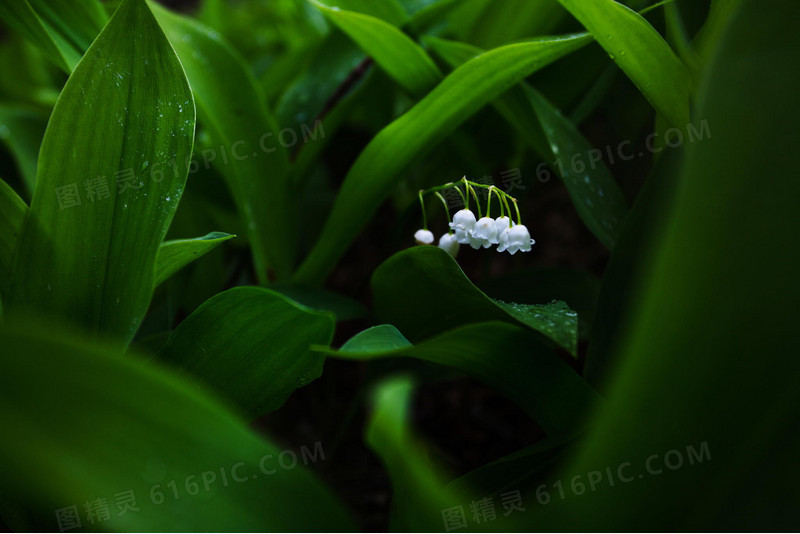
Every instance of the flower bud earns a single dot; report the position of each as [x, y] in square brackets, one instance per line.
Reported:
[424, 237]
[449, 244]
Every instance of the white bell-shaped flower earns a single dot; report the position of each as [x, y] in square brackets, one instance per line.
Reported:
[449, 244]
[501, 224]
[484, 233]
[424, 237]
[463, 223]
[516, 238]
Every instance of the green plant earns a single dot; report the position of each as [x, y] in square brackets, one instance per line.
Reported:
[139, 364]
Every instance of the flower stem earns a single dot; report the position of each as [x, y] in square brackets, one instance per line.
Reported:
[424, 215]
[444, 203]
[516, 207]
[470, 189]
[508, 209]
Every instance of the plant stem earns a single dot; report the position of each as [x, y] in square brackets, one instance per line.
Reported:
[444, 202]
[470, 189]
[424, 215]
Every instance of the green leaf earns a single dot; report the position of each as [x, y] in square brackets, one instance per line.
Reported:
[596, 196]
[175, 255]
[504, 21]
[403, 59]
[425, 13]
[578, 289]
[21, 16]
[408, 138]
[678, 37]
[508, 358]
[381, 338]
[91, 423]
[22, 130]
[323, 96]
[719, 16]
[640, 52]
[423, 292]
[519, 470]
[621, 287]
[125, 115]
[389, 11]
[12, 215]
[77, 22]
[251, 345]
[418, 486]
[344, 308]
[513, 105]
[712, 340]
[307, 97]
[555, 320]
[250, 158]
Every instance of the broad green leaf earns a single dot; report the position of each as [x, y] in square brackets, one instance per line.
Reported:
[21, 16]
[381, 338]
[76, 22]
[344, 308]
[508, 358]
[415, 8]
[593, 97]
[91, 423]
[423, 292]
[719, 16]
[520, 470]
[307, 97]
[595, 195]
[404, 60]
[389, 11]
[174, 255]
[504, 21]
[621, 288]
[112, 168]
[709, 360]
[408, 138]
[640, 52]
[679, 38]
[12, 215]
[26, 75]
[22, 130]
[248, 153]
[419, 493]
[251, 345]
[513, 105]
[321, 99]
[578, 289]
[425, 13]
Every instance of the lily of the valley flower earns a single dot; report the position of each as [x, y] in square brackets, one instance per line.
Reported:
[516, 238]
[501, 224]
[449, 244]
[424, 237]
[465, 229]
[463, 223]
[483, 234]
